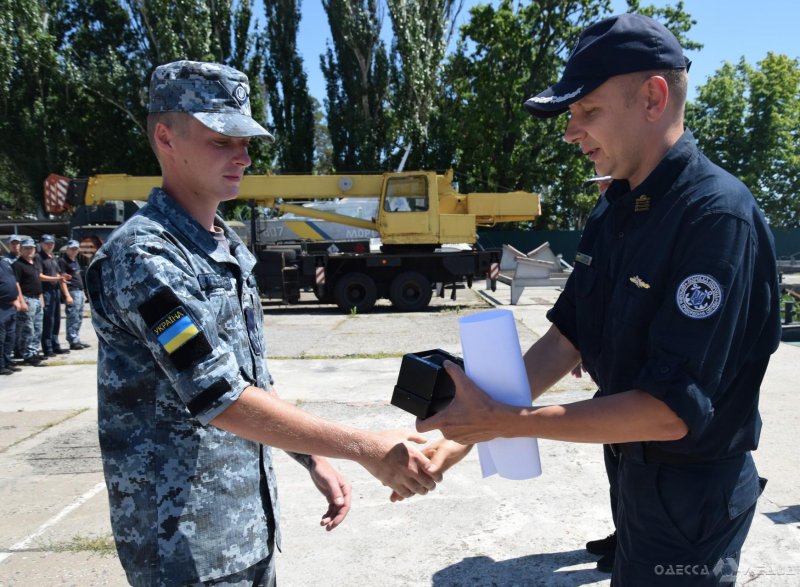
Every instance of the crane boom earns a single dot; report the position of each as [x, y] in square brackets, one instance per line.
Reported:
[416, 207]
[417, 212]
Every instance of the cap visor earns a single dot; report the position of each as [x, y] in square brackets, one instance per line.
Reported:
[557, 98]
[232, 124]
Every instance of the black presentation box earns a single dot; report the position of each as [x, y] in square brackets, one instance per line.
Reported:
[423, 385]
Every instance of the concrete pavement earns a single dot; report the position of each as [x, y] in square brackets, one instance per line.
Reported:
[470, 531]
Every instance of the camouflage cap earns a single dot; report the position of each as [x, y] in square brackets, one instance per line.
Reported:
[216, 95]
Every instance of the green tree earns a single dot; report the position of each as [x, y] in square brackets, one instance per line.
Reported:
[323, 149]
[32, 87]
[178, 30]
[747, 119]
[262, 152]
[421, 34]
[74, 74]
[102, 116]
[504, 55]
[287, 88]
[15, 201]
[356, 70]
[717, 117]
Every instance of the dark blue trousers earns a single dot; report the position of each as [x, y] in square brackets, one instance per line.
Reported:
[51, 321]
[683, 524]
[612, 465]
[8, 333]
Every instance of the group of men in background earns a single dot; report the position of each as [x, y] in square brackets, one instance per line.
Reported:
[32, 288]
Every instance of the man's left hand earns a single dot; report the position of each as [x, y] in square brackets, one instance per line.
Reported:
[336, 490]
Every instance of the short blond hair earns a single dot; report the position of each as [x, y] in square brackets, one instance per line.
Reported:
[177, 121]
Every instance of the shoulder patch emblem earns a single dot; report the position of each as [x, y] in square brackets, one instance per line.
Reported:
[175, 329]
[699, 296]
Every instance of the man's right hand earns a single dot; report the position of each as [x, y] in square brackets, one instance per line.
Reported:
[443, 454]
[398, 464]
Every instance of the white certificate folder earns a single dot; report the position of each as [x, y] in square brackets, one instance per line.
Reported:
[493, 360]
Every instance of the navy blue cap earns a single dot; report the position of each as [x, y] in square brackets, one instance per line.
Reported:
[14, 237]
[73, 244]
[28, 242]
[48, 238]
[622, 44]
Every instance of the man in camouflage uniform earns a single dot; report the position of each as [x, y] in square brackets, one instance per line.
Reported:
[186, 409]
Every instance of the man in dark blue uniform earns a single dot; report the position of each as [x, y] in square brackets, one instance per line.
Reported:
[672, 308]
[53, 287]
[10, 296]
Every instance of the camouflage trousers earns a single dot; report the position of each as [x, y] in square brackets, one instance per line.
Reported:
[75, 316]
[29, 327]
[261, 574]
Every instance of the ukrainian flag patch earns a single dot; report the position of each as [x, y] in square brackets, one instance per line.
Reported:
[175, 329]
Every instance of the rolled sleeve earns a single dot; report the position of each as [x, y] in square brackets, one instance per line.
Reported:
[696, 336]
[667, 379]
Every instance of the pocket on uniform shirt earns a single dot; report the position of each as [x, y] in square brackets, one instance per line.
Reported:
[221, 306]
[635, 304]
[221, 295]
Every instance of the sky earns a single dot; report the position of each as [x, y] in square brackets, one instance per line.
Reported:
[728, 29]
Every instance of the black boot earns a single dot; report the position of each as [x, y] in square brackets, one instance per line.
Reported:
[607, 545]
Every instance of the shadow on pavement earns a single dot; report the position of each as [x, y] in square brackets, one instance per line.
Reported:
[547, 569]
[788, 515]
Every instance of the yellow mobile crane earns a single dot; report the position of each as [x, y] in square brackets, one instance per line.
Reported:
[417, 213]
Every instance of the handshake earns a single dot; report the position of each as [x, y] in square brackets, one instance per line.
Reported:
[423, 388]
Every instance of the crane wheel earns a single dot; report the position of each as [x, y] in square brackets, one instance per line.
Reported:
[355, 292]
[326, 298]
[410, 291]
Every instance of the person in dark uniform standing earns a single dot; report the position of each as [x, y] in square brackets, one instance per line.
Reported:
[186, 408]
[672, 308]
[53, 287]
[12, 255]
[10, 296]
[69, 266]
[27, 269]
